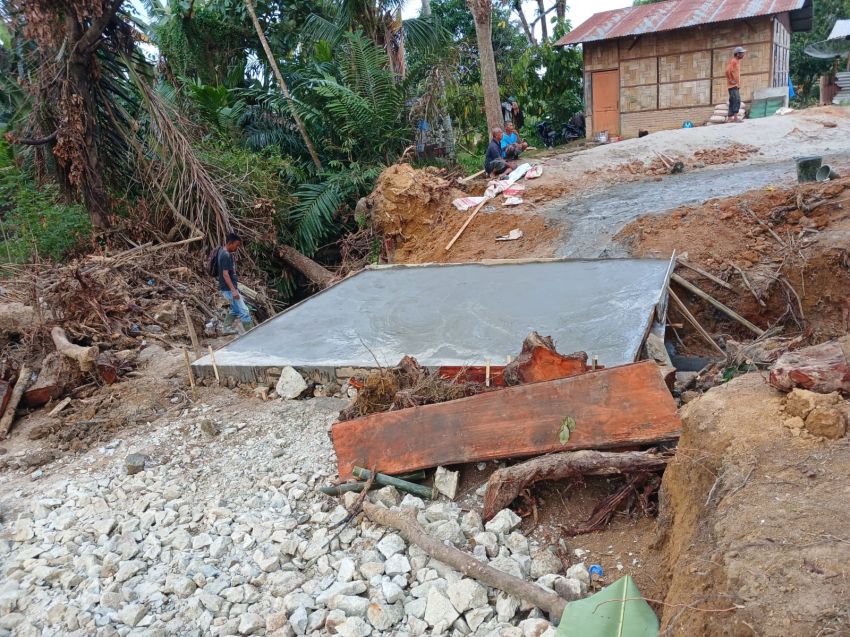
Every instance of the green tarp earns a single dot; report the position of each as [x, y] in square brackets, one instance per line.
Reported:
[618, 610]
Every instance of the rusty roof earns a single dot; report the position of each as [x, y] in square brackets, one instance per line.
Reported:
[675, 14]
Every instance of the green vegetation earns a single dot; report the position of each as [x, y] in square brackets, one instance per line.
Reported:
[806, 70]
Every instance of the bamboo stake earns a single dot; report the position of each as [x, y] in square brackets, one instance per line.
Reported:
[471, 177]
[463, 227]
[283, 87]
[357, 487]
[193, 336]
[214, 366]
[389, 481]
[14, 400]
[726, 310]
[191, 374]
[693, 321]
[707, 275]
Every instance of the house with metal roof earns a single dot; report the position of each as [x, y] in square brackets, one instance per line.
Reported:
[656, 66]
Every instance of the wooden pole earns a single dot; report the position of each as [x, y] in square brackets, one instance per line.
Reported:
[693, 321]
[283, 87]
[707, 275]
[410, 529]
[726, 310]
[471, 177]
[193, 336]
[212, 360]
[463, 227]
[389, 481]
[191, 374]
[14, 400]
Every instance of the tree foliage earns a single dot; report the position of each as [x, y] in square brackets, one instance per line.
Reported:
[805, 69]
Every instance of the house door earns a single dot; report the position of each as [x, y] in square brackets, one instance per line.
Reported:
[606, 102]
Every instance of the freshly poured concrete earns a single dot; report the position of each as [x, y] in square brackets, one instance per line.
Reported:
[459, 314]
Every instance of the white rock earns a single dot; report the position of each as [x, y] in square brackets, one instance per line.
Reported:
[534, 627]
[391, 544]
[132, 614]
[392, 592]
[477, 616]
[354, 627]
[517, 543]
[388, 496]
[471, 524]
[276, 621]
[334, 619]
[341, 588]
[298, 621]
[446, 481]
[267, 563]
[579, 572]
[385, 616]
[251, 623]
[180, 585]
[291, 385]
[201, 541]
[507, 565]
[345, 570]
[416, 608]
[569, 588]
[503, 522]
[506, 607]
[412, 502]
[545, 562]
[396, 565]
[489, 541]
[466, 594]
[351, 605]
[439, 609]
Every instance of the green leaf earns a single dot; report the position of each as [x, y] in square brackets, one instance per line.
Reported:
[568, 426]
[618, 610]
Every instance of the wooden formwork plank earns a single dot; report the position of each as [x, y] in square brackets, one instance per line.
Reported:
[617, 407]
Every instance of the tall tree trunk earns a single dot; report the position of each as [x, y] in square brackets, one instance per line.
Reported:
[561, 9]
[426, 9]
[544, 30]
[524, 21]
[481, 14]
[283, 87]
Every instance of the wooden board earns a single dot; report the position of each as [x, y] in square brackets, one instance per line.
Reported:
[617, 407]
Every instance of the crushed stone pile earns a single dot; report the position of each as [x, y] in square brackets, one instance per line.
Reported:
[220, 530]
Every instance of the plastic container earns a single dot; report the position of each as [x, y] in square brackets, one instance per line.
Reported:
[825, 173]
[807, 168]
[595, 569]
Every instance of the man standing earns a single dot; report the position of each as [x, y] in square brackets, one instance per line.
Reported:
[228, 284]
[733, 83]
[493, 162]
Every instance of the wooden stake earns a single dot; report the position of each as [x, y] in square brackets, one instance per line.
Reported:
[191, 329]
[471, 177]
[62, 404]
[487, 374]
[693, 321]
[410, 529]
[463, 227]
[389, 481]
[707, 275]
[191, 374]
[726, 310]
[14, 400]
[212, 360]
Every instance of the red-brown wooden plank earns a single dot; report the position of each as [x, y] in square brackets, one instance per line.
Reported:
[616, 407]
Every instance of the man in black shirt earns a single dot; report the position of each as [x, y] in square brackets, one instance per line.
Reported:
[493, 162]
[228, 283]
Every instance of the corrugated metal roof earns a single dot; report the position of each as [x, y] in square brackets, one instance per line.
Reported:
[672, 14]
[841, 30]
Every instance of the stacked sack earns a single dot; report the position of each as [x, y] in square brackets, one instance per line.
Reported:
[721, 111]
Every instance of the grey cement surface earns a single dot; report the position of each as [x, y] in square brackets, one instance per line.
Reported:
[460, 315]
[592, 221]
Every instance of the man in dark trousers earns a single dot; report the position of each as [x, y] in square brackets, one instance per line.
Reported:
[493, 162]
[733, 83]
[228, 284]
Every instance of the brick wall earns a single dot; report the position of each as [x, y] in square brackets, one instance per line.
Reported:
[669, 77]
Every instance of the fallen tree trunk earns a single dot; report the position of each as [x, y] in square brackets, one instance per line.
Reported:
[85, 356]
[822, 368]
[17, 393]
[318, 274]
[464, 563]
[50, 382]
[539, 361]
[505, 485]
[16, 318]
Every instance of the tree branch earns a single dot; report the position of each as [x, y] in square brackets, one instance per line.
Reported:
[38, 141]
[91, 38]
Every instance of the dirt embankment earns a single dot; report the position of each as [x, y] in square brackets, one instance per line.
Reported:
[413, 208]
[783, 251]
[754, 522]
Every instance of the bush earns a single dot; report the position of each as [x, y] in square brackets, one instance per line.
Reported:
[34, 223]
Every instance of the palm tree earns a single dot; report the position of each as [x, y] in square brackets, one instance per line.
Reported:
[481, 13]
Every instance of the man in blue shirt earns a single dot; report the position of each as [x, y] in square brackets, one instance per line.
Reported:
[511, 144]
[228, 283]
[493, 162]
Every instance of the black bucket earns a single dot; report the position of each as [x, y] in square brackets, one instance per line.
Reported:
[807, 168]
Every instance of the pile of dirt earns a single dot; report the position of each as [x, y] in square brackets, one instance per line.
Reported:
[413, 209]
[726, 155]
[788, 247]
[753, 521]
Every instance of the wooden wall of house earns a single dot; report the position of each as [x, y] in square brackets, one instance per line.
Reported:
[669, 77]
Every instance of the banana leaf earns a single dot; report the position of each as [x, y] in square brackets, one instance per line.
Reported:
[618, 610]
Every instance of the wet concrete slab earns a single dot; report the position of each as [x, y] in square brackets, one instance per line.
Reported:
[463, 314]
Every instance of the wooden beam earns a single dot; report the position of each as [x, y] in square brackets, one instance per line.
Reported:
[619, 407]
[723, 308]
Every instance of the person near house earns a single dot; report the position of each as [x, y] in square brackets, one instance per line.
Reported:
[517, 115]
[506, 111]
[511, 144]
[733, 83]
[228, 284]
[493, 162]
